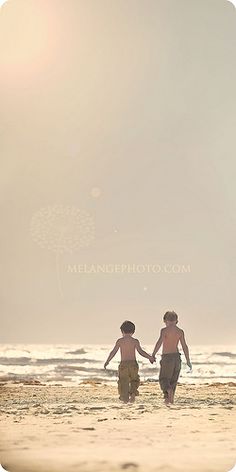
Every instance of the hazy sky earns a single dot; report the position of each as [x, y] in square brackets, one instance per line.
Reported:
[117, 131]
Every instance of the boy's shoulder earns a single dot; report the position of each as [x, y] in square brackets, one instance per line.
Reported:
[131, 340]
[168, 329]
[180, 331]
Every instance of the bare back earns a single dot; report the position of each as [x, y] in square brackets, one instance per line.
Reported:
[128, 346]
[171, 336]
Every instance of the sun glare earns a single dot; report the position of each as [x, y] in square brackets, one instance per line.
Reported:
[29, 40]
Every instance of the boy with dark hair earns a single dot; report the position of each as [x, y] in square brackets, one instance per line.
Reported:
[129, 380]
[170, 361]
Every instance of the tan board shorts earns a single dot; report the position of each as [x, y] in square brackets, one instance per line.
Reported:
[128, 379]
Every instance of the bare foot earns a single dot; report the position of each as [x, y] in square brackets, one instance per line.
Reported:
[132, 398]
[123, 400]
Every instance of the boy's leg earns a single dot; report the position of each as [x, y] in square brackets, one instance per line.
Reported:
[134, 380]
[166, 374]
[175, 375]
[123, 382]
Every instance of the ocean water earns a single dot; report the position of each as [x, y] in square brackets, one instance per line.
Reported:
[71, 364]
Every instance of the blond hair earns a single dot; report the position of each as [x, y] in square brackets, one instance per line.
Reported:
[170, 316]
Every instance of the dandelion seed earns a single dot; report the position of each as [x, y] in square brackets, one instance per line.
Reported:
[62, 229]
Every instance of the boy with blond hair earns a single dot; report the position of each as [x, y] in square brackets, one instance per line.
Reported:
[170, 362]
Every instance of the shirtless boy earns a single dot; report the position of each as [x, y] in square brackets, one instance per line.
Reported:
[171, 361]
[129, 380]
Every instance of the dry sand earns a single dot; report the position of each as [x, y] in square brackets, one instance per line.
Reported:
[86, 428]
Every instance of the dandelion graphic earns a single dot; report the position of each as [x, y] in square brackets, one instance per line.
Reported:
[62, 229]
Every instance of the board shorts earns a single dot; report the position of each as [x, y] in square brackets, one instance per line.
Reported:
[128, 379]
[169, 372]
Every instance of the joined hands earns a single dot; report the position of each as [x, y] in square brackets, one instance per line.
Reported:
[152, 359]
[190, 366]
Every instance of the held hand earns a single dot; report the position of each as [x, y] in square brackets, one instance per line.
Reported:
[152, 359]
[189, 365]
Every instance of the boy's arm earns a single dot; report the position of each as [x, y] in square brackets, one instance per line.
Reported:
[185, 349]
[112, 353]
[143, 353]
[158, 343]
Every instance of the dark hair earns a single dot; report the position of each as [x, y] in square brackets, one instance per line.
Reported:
[170, 316]
[127, 327]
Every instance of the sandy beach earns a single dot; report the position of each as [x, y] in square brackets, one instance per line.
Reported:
[86, 428]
